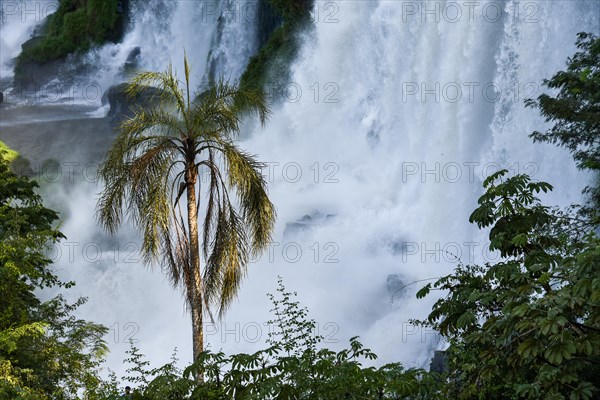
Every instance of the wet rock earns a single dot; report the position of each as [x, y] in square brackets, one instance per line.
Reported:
[122, 106]
[133, 58]
[306, 223]
[268, 21]
[31, 75]
[395, 286]
[121, 7]
[439, 362]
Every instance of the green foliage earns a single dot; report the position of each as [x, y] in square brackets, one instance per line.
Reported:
[575, 109]
[293, 12]
[7, 153]
[75, 27]
[269, 69]
[291, 367]
[529, 325]
[296, 332]
[45, 352]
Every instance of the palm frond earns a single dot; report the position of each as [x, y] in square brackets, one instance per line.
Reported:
[250, 103]
[237, 260]
[168, 84]
[226, 265]
[245, 175]
[214, 197]
[156, 120]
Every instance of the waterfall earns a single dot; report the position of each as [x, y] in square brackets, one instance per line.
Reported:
[403, 108]
[218, 37]
[162, 30]
[395, 113]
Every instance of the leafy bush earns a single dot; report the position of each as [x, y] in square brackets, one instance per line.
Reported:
[293, 366]
[45, 352]
[529, 325]
[7, 153]
[575, 110]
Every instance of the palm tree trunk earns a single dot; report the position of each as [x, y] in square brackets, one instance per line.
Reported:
[195, 289]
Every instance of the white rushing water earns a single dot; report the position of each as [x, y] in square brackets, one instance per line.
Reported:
[426, 100]
[162, 30]
[395, 113]
[208, 32]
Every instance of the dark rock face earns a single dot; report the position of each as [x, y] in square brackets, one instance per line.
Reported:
[395, 286]
[439, 362]
[306, 223]
[303, 224]
[398, 247]
[32, 75]
[123, 107]
[132, 59]
[122, 6]
[268, 21]
[1, 97]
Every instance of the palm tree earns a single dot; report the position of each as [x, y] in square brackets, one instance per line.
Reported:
[160, 154]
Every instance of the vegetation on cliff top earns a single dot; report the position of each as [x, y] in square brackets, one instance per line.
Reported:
[271, 65]
[75, 27]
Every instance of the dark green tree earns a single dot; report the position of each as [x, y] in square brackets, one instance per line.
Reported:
[76, 26]
[292, 367]
[574, 109]
[293, 11]
[45, 352]
[528, 325]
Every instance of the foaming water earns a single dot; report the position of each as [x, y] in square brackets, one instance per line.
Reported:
[218, 35]
[423, 111]
[161, 30]
[395, 115]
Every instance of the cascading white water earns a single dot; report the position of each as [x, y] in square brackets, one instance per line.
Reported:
[235, 41]
[429, 101]
[162, 30]
[396, 112]
[208, 32]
